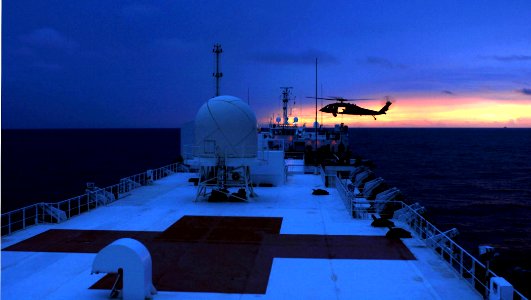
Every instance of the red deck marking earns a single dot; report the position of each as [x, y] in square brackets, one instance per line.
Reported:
[218, 254]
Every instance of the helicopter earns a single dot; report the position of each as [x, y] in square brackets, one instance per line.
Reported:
[340, 107]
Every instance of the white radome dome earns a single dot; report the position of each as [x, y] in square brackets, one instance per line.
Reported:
[226, 126]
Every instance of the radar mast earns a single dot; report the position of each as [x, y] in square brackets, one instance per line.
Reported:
[286, 93]
[217, 50]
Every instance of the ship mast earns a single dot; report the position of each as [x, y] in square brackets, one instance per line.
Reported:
[286, 92]
[217, 50]
[316, 124]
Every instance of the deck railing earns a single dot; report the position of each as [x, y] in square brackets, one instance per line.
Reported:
[463, 263]
[57, 212]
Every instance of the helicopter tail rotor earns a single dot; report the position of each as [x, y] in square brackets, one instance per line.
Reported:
[387, 105]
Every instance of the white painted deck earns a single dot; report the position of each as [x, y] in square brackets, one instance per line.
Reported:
[35, 275]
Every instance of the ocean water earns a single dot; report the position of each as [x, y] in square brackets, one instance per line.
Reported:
[477, 180]
[50, 165]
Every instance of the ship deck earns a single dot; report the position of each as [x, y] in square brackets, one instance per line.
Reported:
[289, 245]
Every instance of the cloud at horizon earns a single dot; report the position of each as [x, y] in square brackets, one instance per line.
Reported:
[510, 58]
[383, 62]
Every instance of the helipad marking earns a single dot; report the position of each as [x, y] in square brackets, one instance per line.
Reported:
[218, 254]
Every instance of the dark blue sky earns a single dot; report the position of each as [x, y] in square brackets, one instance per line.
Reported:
[150, 63]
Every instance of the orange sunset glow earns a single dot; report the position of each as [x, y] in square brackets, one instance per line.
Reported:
[417, 111]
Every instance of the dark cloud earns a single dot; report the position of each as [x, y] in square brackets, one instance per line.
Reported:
[383, 62]
[137, 10]
[510, 58]
[48, 38]
[448, 92]
[295, 58]
[525, 91]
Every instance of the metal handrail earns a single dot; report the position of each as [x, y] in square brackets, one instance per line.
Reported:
[295, 166]
[463, 263]
[34, 214]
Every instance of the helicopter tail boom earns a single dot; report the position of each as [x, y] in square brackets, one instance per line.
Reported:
[385, 108]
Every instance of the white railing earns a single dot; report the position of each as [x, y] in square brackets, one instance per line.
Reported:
[463, 263]
[58, 212]
[346, 195]
[296, 165]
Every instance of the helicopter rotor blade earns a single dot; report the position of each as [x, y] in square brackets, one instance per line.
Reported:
[349, 99]
[341, 99]
[386, 99]
[320, 98]
[390, 99]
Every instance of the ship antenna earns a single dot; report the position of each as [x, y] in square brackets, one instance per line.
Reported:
[315, 105]
[286, 91]
[217, 50]
[321, 114]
